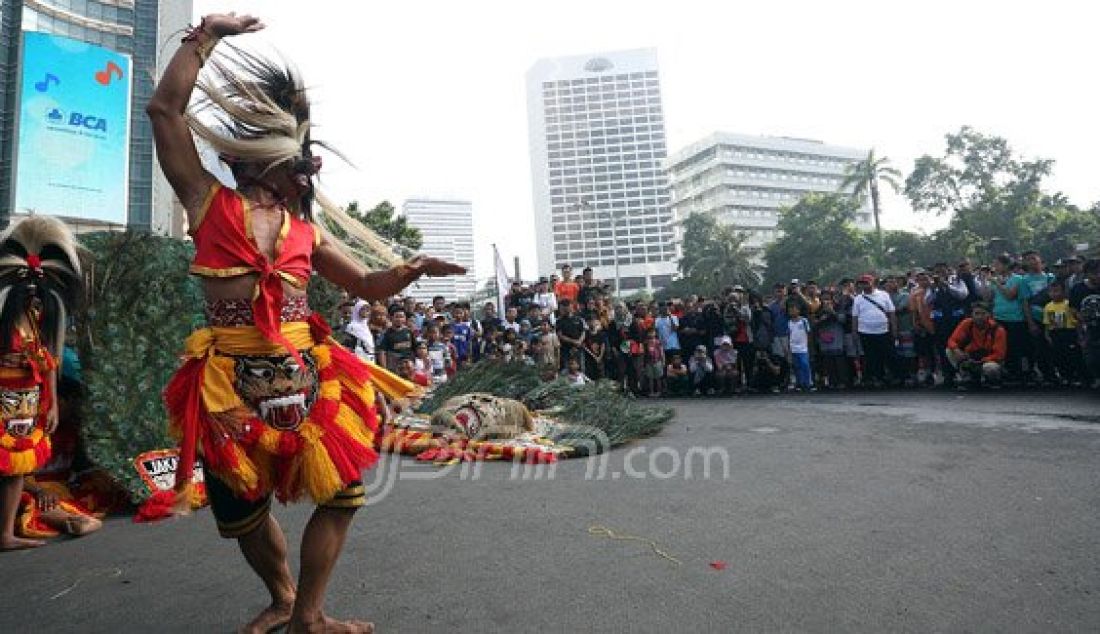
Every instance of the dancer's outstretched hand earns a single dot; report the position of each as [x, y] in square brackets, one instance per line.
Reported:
[434, 267]
[224, 25]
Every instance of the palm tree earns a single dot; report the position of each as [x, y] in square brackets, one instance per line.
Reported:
[714, 256]
[863, 177]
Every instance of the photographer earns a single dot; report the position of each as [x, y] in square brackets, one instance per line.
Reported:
[977, 348]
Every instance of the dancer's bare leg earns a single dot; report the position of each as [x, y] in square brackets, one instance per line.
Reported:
[71, 523]
[11, 488]
[321, 545]
[266, 552]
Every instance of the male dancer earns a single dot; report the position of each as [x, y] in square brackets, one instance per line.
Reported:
[272, 406]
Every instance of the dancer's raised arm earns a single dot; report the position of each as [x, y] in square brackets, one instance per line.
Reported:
[175, 147]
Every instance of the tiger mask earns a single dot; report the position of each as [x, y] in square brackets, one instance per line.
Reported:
[278, 389]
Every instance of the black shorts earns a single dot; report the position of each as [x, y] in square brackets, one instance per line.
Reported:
[237, 517]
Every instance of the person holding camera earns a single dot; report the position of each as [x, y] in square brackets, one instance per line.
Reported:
[978, 348]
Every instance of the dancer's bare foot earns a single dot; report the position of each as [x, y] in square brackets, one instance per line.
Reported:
[18, 543]
[273, 617]
[325, 625]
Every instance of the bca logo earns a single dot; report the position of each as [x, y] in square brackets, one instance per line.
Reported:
[88, 121]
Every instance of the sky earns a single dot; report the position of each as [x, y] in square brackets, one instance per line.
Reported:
[429, 98]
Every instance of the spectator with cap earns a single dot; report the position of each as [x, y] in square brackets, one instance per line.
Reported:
[977, 349]
[875, 321]
[726, 375]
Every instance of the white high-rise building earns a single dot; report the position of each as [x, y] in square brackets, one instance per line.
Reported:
[447, 229]
[744, 180]
[597, 134]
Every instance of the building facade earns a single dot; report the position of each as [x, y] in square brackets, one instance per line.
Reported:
[600, 193]
[145, 30]
[447, 229]
[744, 181]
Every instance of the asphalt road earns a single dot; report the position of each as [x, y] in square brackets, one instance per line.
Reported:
[871, 512]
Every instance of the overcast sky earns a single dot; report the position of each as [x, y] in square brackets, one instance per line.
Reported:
[428, 98]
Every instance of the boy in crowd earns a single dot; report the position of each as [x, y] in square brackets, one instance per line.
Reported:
[798, 328]
[668, 327]
[978, 347]
[676, 374]
[447, 339]
[463, 337]
[702, 371]
[550, 348]
[654, 370]
[397, 343]
[1061, 332]
[439, 354]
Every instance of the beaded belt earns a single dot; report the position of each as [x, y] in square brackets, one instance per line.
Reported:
[238, 312]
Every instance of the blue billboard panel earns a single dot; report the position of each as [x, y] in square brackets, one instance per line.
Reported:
[74, 130]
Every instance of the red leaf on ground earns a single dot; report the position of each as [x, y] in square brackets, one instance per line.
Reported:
[718, 565]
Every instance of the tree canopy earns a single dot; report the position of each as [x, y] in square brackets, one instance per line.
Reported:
[382, 219]
[818, 241]
[996, 199]
[713, 258]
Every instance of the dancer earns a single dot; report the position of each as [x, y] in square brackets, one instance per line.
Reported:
[272, 404]
[40, 281]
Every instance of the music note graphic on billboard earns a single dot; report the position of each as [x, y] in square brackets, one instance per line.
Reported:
[104, 76]
[73, 140]
[44, 85]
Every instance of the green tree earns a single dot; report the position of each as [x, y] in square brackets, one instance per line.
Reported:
[863, 178]
[382, 219]
[713, 257]
[818, 240]
[996, 199]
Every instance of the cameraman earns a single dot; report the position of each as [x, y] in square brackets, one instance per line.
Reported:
[978, 347]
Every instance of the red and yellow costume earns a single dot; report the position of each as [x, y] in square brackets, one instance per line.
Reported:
[269, 400]
[25, 401]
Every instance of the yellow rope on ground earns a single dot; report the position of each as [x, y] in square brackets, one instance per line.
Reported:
[600, 530]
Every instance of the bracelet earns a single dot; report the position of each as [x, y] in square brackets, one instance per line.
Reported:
[406, 271]
[205, 40]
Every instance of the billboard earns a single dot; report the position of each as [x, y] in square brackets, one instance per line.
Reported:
[73, 151]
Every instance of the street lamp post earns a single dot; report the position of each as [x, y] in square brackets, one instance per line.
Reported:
[587, 205]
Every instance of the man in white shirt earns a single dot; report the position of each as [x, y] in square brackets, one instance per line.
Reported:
[546, 300]
[875, 321]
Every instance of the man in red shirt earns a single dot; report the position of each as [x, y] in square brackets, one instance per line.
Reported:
[978, 347]
[567, 288]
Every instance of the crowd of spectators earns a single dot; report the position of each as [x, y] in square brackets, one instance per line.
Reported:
[1013, 322]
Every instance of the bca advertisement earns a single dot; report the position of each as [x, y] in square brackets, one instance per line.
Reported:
[74, 130]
